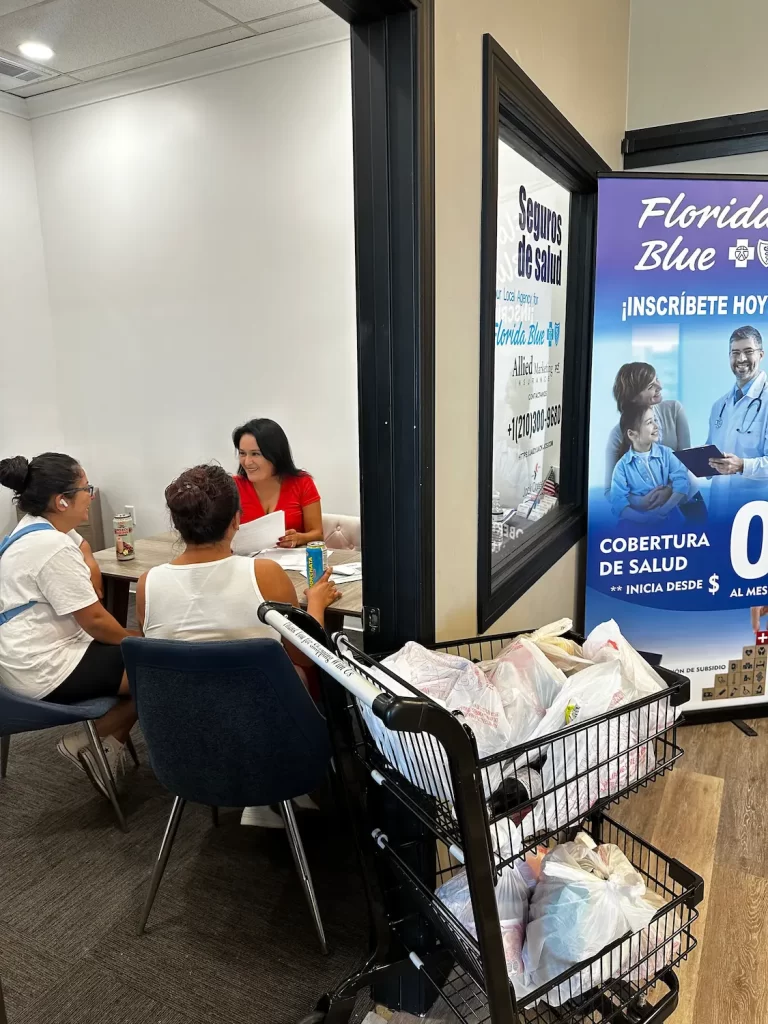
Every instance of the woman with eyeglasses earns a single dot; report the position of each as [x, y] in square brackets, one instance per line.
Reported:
[268, 481]
[637, 386]
[57, 642]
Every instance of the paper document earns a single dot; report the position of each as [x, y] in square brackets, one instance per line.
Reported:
[291, 559]
[259, 534]
[349, 572]
[348, 569]
[339, 581]
[295, 560]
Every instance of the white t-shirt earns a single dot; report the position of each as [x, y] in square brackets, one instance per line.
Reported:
[43, 645]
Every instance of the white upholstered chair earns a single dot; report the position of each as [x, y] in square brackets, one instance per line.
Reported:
[341, 532]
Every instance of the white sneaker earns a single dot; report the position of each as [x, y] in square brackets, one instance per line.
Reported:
[264, 817]
[115, 754]
[71, 743]
[305, 803]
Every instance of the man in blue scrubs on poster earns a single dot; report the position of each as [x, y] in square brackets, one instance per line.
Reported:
[738, 425]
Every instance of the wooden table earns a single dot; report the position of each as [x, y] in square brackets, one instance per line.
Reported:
[153, 551]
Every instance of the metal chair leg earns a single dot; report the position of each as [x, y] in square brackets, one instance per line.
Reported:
[106, 772]
[300, 860]
[132, 751]
[215, 816]
[5, 746]
[162, 858]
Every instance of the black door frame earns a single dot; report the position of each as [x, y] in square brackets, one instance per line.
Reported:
[392, 47]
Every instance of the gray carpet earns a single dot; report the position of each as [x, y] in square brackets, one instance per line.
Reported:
[230, 939]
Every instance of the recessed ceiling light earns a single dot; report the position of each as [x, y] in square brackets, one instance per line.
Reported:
[36, 51]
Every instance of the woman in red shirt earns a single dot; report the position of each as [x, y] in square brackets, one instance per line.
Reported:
[268, 481]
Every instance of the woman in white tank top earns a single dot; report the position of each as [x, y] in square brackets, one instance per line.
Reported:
[207, 593]
[215, 600]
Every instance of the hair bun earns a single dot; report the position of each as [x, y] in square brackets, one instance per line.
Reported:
[14, 473]
[203, 501]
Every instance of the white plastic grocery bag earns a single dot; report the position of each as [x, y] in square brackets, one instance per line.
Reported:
[434, 673]
[461, 686]
[639, 679]
[512, 892]
[585, 695]
[586, 898]
[563, 652]
[595, 763]
[421, 759]
[528, 682]
[457, 685]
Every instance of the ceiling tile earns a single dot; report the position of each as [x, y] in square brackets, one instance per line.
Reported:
[252, 10]
[291, 18]
[7, 6]
[50, 85]
[141, 60]
[86, 32]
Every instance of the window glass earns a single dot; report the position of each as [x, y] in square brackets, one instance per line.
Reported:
[529, 343]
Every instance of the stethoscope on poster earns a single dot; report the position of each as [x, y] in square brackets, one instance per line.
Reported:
[744, 429]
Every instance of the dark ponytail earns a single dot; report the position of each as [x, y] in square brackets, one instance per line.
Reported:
[35, 483]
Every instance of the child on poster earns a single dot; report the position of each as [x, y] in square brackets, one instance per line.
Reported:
[644, 466]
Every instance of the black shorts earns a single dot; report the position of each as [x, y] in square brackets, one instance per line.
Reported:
[99, 674]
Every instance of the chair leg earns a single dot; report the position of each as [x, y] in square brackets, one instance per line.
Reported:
[106, 772]
[215, 816]
[300, 860]
[132, 751]
[5, 746]
[162, 858]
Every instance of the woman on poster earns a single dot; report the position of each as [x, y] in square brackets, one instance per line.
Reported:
[637, 386]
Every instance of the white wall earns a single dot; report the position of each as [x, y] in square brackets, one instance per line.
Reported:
[690, 59]
[199, 249]
[28, 414]
[577, 54]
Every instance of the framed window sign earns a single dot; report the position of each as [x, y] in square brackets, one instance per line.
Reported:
[537, 278]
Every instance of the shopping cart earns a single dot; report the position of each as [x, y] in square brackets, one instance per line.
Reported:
[429, 806]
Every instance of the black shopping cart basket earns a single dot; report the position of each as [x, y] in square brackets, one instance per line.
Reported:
[426, 806]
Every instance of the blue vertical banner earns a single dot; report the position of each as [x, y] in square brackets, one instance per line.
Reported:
[678, 461]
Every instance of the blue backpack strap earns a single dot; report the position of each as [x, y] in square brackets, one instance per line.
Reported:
[6, 542]
[13, 612]
[4, 545]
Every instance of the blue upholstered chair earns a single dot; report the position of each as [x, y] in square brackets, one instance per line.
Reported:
[227, 724]
[20, 714]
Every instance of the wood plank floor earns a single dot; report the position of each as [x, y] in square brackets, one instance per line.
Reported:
[711, 813]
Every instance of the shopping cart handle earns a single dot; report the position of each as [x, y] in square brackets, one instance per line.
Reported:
[279, 617]
[299, 617]
[274, 606]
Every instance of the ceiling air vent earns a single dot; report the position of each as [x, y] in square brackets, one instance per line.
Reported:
[22, 75]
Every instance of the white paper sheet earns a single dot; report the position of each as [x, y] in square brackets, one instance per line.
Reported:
[348, 569]
[259, 534]
[290, 558]
[339, 581]
[350, 572]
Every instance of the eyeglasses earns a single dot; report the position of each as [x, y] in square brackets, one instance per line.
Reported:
[746, 352]
[75, 490]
